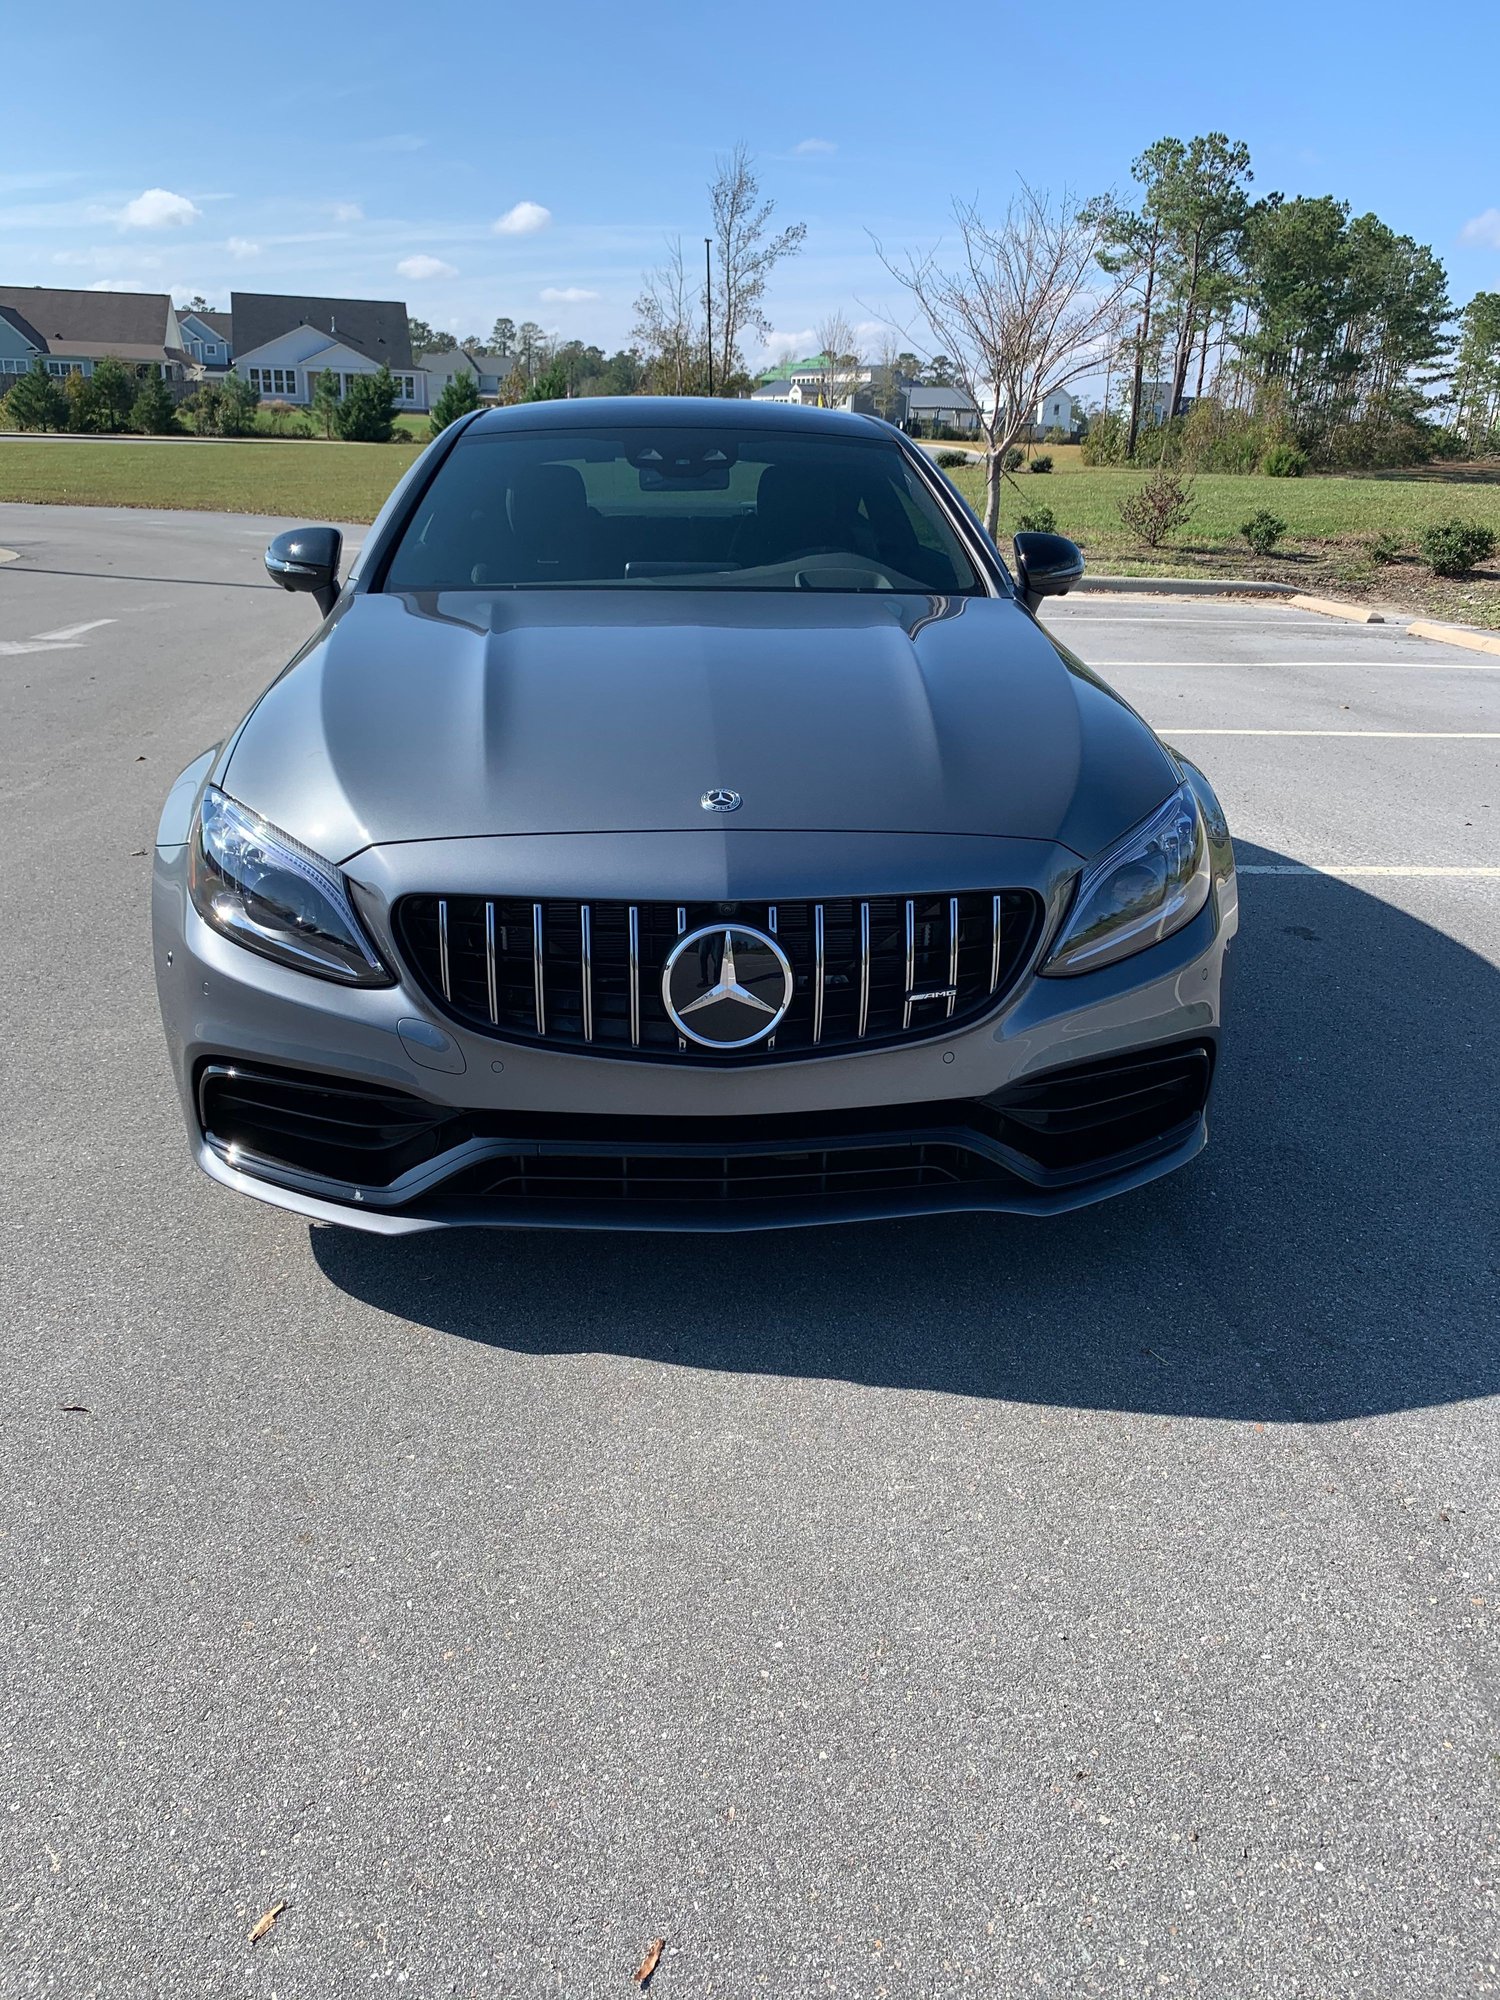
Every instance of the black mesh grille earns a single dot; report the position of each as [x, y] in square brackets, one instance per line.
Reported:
[893, 967]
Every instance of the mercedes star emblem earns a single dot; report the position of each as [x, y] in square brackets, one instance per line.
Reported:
[717, 800]
[726, 986]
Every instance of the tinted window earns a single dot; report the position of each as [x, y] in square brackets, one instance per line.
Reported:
[707, 509]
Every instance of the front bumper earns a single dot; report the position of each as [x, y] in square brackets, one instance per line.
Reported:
[1075, 1090]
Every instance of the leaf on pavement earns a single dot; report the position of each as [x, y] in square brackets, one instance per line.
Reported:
[266, 1922]
[650, 1962]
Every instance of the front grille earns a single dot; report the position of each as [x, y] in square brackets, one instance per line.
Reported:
[587, 976]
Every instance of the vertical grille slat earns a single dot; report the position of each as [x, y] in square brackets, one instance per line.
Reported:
[446, 981]
[820, 973]
[537, 945]
[587, 975]
[635, 977]
[490, 977]
[864, 969]
[587, 972]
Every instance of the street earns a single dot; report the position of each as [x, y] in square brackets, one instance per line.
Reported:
[1094, 1607]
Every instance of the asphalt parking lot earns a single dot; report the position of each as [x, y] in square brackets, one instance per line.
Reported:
[1103, 1606]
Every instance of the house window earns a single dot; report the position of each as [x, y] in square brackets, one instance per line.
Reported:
[274, 381]
[406, 388]
[64, 367]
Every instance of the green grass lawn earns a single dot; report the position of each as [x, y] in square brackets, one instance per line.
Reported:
[1330, 523]
[309, 480]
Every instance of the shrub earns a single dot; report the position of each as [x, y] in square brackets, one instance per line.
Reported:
[1158, 509]
[1452, 548]
[1284, 461]
[1042, 462]
[35, 402]
[1056, 435]
[366, 414]
[1036, 521]
[460, 395]
[1263, 530]
[949, 461]
[1387, 548]
[1104, 440]
[327, 401]
[1012, 459]
[153, 410]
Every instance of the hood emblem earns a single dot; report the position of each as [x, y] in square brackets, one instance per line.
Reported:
[726, 986]
[718, 800]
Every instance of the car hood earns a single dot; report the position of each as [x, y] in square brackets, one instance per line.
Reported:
[454, 715]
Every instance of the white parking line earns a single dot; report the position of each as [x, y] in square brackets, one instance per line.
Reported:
[64, 638]
[1393, 735]
[1341, 873]
[1381, 667]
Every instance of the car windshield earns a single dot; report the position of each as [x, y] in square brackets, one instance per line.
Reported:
[672, 508]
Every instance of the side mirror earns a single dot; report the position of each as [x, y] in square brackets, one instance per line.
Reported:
[308, 559]
[1046, 566]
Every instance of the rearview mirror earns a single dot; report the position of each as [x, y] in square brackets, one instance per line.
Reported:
[1046, 566]
[308, 559]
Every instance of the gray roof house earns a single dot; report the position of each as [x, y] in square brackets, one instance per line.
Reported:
[488, 367]
[284, 342]
[71, 330]
[374, 327]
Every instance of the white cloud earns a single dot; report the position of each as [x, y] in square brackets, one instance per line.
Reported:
[348, 211]
[807, 147]
[1483, 229]
[421, 268]
[523, 220]
[158, 208]
[240, 247]
[566, 295]
[790, 346]
[113, 285]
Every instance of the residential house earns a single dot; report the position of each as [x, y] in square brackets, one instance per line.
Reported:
[70, 331]
[487, 368]
[282, 344]
[208, 338]
[1056, 411]
[925, 408]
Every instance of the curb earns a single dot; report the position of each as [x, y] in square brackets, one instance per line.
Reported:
[1333, 607]
[1472, 636]
[1186, 586]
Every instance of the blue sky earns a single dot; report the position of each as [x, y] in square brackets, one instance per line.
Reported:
[537, 166]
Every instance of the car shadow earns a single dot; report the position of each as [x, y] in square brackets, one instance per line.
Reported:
[1333, 1254]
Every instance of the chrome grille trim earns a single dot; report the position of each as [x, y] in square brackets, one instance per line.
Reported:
[867, 971]
[864, 969]
[491, 982]
[586, 971]
[635, 976]
[537, 943]
[820, 973]
[911, 961]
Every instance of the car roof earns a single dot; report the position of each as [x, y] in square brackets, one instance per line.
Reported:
[656, 412]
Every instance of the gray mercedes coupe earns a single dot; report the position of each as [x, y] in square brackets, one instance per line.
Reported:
[680, 820]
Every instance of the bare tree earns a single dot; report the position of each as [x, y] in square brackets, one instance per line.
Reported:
[746, 256]
[1023, 309]
[667, 331]
[842, 366]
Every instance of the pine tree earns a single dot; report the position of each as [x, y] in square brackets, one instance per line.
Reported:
[36, 403]
[460, 395]
[327, 402]
[367, 412]
[153, 410]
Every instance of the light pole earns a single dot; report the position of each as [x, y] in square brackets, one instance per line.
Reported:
[708, 305]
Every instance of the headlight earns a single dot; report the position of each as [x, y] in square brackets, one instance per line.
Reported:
[1148, 885]
[272, 895]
